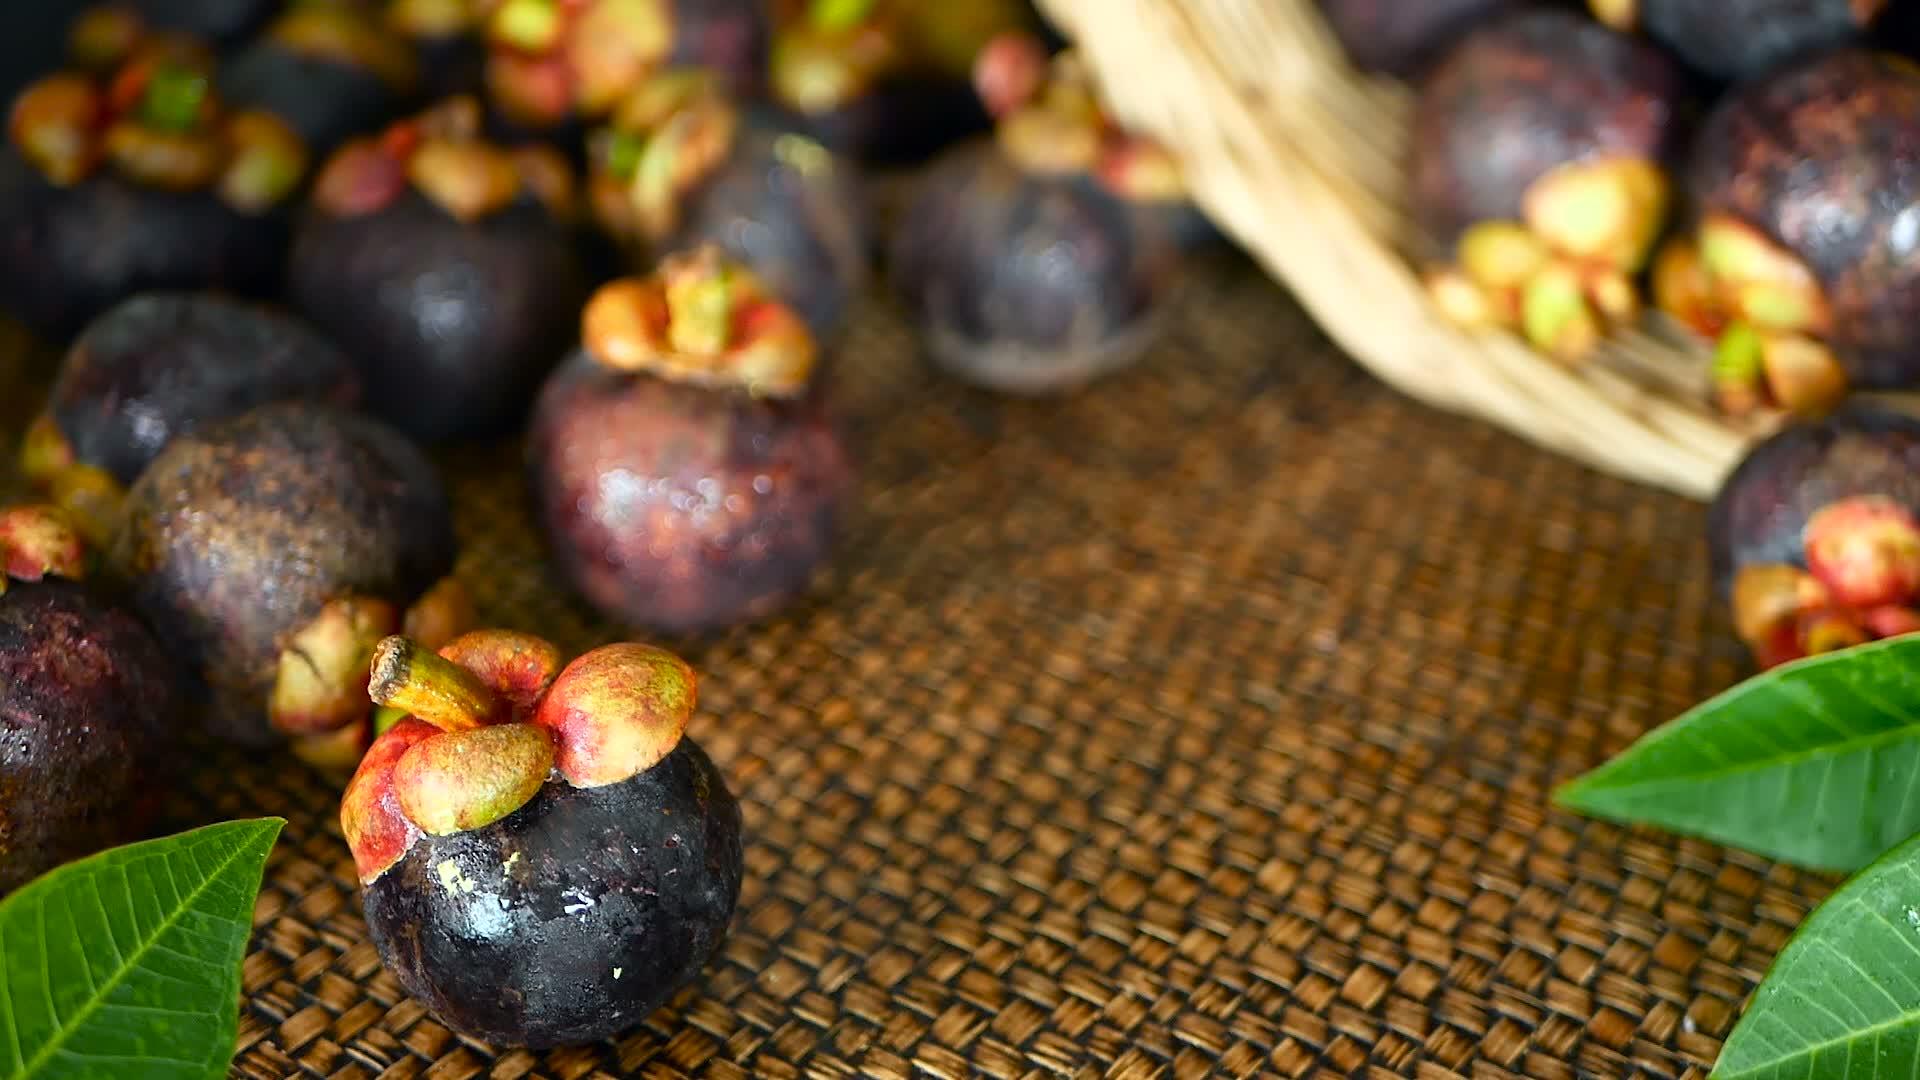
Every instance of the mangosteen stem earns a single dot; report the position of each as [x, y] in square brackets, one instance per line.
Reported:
[430, 687]
[173, 99]
[700, 309]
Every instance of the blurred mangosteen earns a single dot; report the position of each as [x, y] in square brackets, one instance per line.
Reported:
[1539, 175]
[1040, 259]
[1740, 39]
[1805, 184]
[272, 551]
[329, 70]
[157, 366]
[138, 181]
[88, 704]
[683, 464]
[556, 66]
[544, 857]
[680, 166]
[1815, 537]
[222, 23]
[844, 73]
[445, 38]
[445, 266]
[1399, 37]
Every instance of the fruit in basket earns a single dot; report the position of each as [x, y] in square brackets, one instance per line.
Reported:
[272, 551]
[328, 70]
[445, 266]
[138, 179]
[88, 704]
[1538, 176]
[1398, 37]
[1815, 537]
[847, 72]
[683, 465]
[544, 857]
[1040, 259]
[156, 367]
[554, 63]
[680, 165]
[1739, 39]
[1804, 182]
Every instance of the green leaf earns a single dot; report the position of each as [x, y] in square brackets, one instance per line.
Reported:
[128, 963]
[1816, 763]
[1843, 999]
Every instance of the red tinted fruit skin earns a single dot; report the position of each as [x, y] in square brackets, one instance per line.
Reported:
[1824, 159]
[1521, 96]
[88, 705]
[1396, 37]
[1770, 32]
[1761, 512]
[680, 508]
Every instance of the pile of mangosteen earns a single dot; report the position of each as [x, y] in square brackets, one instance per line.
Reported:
[294, 257]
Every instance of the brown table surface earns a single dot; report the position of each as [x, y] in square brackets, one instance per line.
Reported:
[1200, 724]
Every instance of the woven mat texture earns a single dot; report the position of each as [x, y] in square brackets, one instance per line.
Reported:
[1201, 724]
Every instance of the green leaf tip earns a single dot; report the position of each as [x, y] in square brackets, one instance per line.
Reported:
[1842, 1001]
[127, 963]
[1816, 763]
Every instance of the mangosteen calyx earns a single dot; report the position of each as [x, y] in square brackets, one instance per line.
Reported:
[38, 542]
[665, 138]
[544, 860]
[704, 320]
[833, 55]
[549, 61]
[344, 36]
[1861, 581]
[441, 154]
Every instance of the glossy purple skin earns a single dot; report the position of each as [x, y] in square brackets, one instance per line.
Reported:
[1825, 158]
[807, 236]
[68, 254]
[454, 325]
[1025, 283]
[1739, 39]
[1522, 96]
[163, 364]
[683, 509]
[1761, 512]
[583, 911]
[899, 121]
[87, 704]
[1397, 37]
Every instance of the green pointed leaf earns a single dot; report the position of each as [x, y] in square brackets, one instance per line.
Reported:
[1843, 999]
[128, 963]
[1815, 763]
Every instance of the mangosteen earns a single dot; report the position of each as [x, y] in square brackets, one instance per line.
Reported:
[270, 552]
[843, 73]
[1538, 175]
[680, 166]
[1399, 37]
[683, 463]
[555, 66]
[330, 71]
[156, 367]
[445, 38]
[1815, 537]
[445, 266]
[544, 857]
[137, 182]
[1741, 39]
[88, 704]
[223, 23]
[1805, 183]
[1040, 259]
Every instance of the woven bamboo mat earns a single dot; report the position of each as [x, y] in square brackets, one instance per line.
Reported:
[1202, 724]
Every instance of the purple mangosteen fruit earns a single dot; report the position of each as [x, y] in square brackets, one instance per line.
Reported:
[330, 71]
[137, 180]
[88, 704]
[544, 857]
[446, 267]
[1538, 176]
[272, 551]
[1398, 37]
[684, 467]
[1743, 39]
[680, 166]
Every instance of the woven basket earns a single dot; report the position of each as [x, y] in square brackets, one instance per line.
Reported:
[1299, 158]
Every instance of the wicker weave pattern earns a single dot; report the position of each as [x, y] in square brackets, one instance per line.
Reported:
[1202, 724]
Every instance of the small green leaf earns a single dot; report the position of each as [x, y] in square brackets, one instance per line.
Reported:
[1815, 763]
[1843, 999]
[128, 963]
